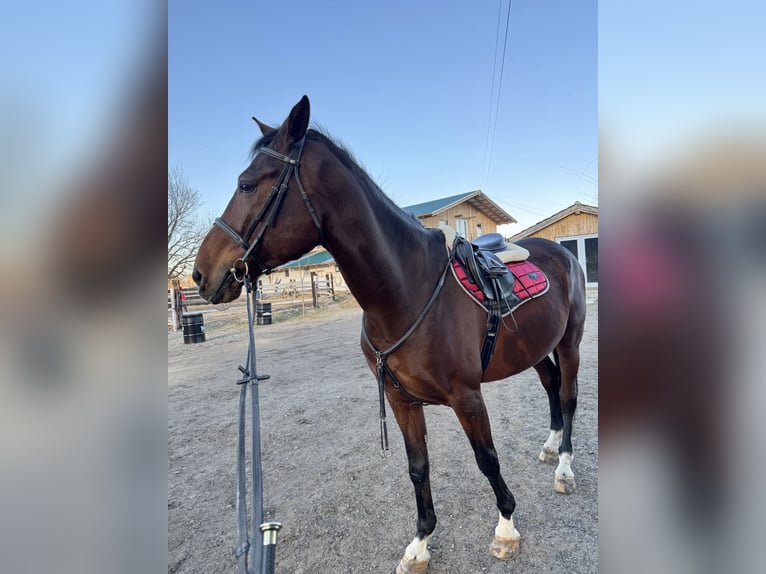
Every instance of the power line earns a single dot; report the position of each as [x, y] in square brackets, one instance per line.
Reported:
[582, 175]
[491, 95]
[517, 207]
[489, 153]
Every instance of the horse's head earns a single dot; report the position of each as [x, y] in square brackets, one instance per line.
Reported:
[269, 220]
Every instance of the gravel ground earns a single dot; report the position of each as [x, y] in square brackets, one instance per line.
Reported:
[344, 509]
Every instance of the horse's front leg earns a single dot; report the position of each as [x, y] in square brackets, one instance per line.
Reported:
[412, 423]
[472, 414]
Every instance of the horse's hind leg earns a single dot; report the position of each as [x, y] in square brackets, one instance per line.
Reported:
[569, 363]
[472, 414]
[550, 377]
[412, 423]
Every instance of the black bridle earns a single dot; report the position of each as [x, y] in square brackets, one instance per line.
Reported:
[269, 211]
[251, 556]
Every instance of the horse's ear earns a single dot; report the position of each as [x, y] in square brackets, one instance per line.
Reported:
[298, 121]
[265, 130]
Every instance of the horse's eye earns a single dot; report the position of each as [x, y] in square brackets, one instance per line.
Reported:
[246, 187]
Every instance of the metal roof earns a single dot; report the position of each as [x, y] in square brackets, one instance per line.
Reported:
[318, 258]
[476, 199]
[434, 206]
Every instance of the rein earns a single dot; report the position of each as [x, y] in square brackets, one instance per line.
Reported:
[271, 208]
[381, 359]
[261, 557]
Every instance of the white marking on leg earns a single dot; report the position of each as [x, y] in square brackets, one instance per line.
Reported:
[551, 446]
[564, 469]
[506, 529]
[505, 545]
[554, 441]
[418, 549]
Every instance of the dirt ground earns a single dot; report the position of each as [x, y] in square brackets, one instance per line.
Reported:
[343, 507]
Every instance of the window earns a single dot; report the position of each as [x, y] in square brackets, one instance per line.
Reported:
[585, 248]
[591, 259]
[571, 244]
[461, 227]
[478, 230]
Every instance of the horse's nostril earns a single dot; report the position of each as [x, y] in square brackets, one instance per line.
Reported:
[197, 276]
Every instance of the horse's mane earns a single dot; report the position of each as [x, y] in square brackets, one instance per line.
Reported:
[347, 159]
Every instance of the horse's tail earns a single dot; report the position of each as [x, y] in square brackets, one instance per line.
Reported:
[557, 364]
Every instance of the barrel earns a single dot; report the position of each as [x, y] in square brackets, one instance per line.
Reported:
[262, 313]
[194, 328]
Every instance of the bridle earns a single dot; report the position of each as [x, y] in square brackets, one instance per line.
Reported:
[251, 556]
[269, 211]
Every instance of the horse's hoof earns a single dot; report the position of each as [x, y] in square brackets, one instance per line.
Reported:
[548, 455]
[411, 566]
[564, 484]
[504, 548]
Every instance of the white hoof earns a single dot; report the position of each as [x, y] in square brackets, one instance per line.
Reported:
[565, 481]
[548, 455]
[550, 452]
[416, 557]
[564, 485]
[506, 543]
[505, 548]
[409, 565]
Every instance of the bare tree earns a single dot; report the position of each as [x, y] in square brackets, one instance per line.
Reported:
[185, 229]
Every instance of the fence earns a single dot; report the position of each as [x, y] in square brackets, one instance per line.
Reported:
[180, 300]
[172, 312]
[283, 293]
[176, 305]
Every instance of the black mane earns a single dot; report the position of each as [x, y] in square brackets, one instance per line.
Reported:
[263, 142]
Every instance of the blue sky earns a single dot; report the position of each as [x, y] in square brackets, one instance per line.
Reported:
[406, 86]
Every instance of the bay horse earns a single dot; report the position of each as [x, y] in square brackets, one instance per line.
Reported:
[301, 190]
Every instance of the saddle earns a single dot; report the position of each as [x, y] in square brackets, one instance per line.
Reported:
[486, 270]
[490, 242]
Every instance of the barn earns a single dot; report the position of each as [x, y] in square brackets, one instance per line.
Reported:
[470, 214]
[576, 228]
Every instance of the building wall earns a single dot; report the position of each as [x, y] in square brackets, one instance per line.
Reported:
[574, 227]
[574, 224]
[470, 214]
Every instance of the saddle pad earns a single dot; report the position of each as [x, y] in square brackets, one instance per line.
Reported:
[530, 282]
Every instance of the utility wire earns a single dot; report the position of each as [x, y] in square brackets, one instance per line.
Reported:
[491, 95]
[489, 154]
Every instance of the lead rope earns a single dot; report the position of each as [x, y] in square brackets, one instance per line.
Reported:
[251, 556]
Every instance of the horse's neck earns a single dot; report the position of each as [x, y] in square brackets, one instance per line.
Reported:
[389, 266]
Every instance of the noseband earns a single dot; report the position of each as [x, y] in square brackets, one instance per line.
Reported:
[269, 212]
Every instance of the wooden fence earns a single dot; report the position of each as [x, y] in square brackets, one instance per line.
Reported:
[283, 293]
